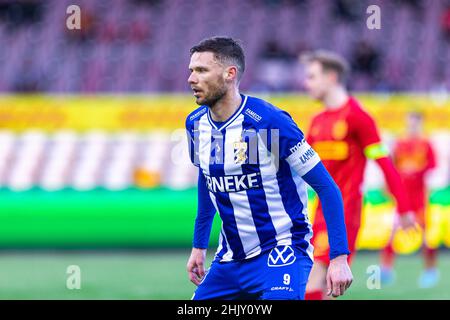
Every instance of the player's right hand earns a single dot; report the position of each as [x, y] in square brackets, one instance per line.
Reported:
[339, 276]
[196, 265]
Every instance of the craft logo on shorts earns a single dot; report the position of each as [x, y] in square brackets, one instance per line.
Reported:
[281, 256]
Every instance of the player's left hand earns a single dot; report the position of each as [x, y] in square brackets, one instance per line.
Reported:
[339, 276]
[195, 266]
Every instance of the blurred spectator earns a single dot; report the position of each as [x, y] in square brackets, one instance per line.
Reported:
[87, 29]
[348, 10]
[140, 30]
[151, 3]
[29, 78]
[269, 3]
[365, 62]
[274, 72]
[17, 14]
[108, 31]
[136, 30]
[446, 23]
[272, 3]
[416, 6]
[273, 51]
[296, 2]
[365, 59]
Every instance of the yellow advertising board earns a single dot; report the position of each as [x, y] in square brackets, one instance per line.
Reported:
[115, 113]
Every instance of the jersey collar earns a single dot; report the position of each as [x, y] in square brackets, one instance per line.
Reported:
[232, 118]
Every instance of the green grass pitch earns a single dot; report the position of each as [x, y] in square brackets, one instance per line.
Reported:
[162, 275]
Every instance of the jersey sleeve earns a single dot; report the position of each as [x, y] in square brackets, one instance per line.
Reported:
[292, 144]
[192, 140]
[431, 157]
[205, 215]
[333, 208]
[309, 136]
[395, 153]
[394, 184]
[368, 136]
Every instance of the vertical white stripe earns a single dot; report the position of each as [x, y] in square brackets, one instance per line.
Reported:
[228, 255]
[205, 132]
[280, 218]
[204, 143]
[303, 195]
[239, 200]
[220, 246]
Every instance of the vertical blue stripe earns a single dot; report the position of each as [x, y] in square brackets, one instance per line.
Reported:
[223, 201]
[224, 250]
[258, 202]
[293, 205]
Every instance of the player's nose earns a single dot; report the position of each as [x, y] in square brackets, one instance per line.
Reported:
[192, 79]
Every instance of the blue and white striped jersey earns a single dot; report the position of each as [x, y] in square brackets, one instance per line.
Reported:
[252, 167]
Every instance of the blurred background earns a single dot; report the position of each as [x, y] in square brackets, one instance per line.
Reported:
[94, 169]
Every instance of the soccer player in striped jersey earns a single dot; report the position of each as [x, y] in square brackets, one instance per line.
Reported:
[345, 136]
[253, 163]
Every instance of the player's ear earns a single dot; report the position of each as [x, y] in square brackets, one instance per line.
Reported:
[230, 73]
[333, 76]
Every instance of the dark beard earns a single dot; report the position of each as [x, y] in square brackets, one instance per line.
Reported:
[216, 94]
[210, 102]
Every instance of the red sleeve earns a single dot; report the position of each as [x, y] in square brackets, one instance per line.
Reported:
[309, 137]
[395, 184]
[431, 163]
[395, 153]
[368, 135]
[365, 128]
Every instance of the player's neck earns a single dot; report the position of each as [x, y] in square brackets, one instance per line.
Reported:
[415, 134]
[223, 109]
[336, 98]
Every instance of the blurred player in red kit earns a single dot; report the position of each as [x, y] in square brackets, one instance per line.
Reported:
[414, 157]
[344, 136]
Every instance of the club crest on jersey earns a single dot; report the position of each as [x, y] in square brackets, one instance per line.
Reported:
[340, 129]
[240, 151]
[281, 256]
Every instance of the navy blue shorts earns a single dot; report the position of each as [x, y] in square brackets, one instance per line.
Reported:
[279, 274]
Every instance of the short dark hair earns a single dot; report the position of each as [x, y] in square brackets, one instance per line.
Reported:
[330, 61]
[226, 50]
